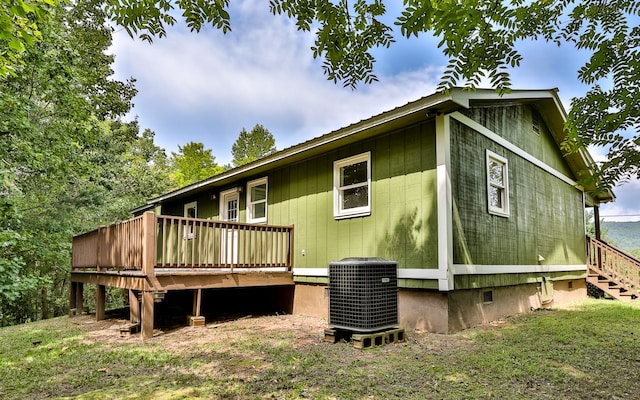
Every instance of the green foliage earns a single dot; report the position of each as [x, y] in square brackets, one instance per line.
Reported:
[344, 34]
[20, 22]
[478, 37]
[148, 18]
[192, 163]
[64, 167]
[253, 145]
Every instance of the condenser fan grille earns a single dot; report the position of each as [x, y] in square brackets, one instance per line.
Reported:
[363, 294]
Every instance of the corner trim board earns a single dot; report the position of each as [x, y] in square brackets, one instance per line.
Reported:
[444, 202]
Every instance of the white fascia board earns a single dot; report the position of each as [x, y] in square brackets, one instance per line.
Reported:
[461, 95]
[403, 273]
[475, 269]
[322, 272]
[457, 269]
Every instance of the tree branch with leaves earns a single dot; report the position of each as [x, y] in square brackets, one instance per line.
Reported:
[480, 38]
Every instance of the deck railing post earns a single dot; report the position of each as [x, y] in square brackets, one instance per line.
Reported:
[291, 248]
[148, 243]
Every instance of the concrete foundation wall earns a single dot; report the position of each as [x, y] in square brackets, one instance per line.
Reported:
[448, 312]
[311, 300]
[423, 310]
[569, 291]
[468, 308]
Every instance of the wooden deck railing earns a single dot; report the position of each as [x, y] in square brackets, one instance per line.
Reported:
[116, 246]
[609, 261]
[201, 243]
[158, 241]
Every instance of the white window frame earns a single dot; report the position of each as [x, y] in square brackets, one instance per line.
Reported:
[504, 210]
[338, 211]
[187, 206]
[188, 234]
[223, 211]
[250, 202]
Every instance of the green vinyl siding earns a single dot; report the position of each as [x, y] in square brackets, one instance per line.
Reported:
[496, 280]
[418, 283]
[207, 207]
[515, 123]
[402, 225]
[546, 214]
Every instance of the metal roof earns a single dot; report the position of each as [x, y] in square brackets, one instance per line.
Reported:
[547, 102]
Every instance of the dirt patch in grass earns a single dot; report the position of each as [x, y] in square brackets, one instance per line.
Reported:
[298, 331]
[589, 352]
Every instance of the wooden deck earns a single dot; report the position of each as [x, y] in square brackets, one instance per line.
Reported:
[153, 254]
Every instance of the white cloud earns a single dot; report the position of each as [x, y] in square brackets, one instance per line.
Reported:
[208, 86]
[626, 207]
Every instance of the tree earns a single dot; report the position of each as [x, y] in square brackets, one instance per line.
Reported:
[192, 163]
[66, 166]
[480, 37]
[253, 145]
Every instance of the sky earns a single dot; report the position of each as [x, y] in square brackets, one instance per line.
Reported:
[206, 87]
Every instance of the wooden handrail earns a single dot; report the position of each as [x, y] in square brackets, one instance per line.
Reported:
[611, 262]
[160, 241]
[202, 243]
[116, 246]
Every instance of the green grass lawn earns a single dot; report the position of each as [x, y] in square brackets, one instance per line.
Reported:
[591, 351]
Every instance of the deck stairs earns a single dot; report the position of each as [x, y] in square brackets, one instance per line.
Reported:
[613, 271]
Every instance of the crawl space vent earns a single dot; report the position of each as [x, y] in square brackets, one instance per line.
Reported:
[363, 294]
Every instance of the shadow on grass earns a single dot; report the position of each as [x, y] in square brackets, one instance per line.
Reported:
[587, 352]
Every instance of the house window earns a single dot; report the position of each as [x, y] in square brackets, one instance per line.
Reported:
[191, 210]
[257, 201]
[535, 121]
[351, 186]
[497, 184]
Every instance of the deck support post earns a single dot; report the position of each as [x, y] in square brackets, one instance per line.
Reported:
[72, 299]
[100, 301]
[596, 222]
[197, 302]
[134, 307]
[147, 314]
[79, 297]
